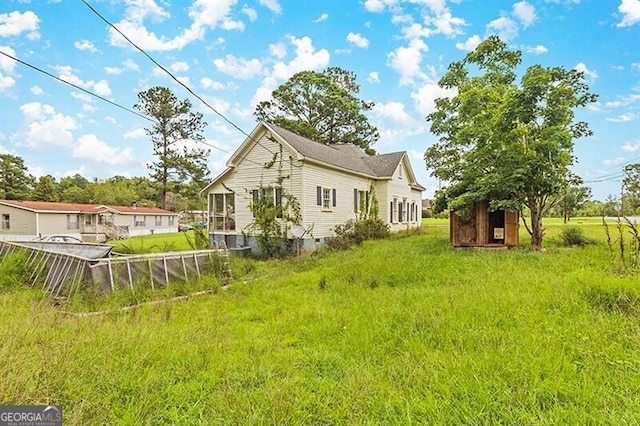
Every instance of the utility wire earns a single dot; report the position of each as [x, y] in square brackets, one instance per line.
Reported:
[75, 86]
[105, 20]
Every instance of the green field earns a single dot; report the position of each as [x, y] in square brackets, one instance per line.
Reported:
[401, 331]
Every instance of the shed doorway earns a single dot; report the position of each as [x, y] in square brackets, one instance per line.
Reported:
[496, 227]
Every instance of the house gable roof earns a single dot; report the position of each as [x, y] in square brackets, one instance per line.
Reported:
[51, 207]
[346, 157]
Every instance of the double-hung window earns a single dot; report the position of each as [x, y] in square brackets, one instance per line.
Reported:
[361, 202]
[326, 198]
[158, 221]
[139, 221]
[73, 221]
[6, 221]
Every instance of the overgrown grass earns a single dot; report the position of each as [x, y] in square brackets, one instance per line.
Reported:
[156, 243]
[399, 331]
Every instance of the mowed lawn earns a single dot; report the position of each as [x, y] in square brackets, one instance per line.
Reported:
[401, 331]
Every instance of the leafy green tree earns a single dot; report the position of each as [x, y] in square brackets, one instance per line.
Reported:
[46, 189]
[322, 106]
[113, 192]
[503, 141]
[74, 189]
[174, 125]
[572, 200]
[15, 182]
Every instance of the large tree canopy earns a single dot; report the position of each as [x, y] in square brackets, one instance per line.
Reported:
[15, 182]
[174, 125]
[508, 142]
[322, 106]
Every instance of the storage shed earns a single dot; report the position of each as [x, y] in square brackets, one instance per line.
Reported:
[483, 228]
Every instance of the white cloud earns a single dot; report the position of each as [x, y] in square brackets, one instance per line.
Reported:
[45, 126]
[272, 5]
[15, 23]
[504, 27]
[630, 10]
[406, 60]
[6, 82]
[241, 68]
[536, 50]
[135, 134]
[635, 65]
[204, 14]
[36, 90]
[631, 146]
[581, 67]
[447, 24]
[208, 83]
[66, 73]
[279, 50]
[81, 96]
[250, 12]
[130, 64]
[613, 161]
[307, 58]
[179, 66]
[320, 18]
[629, 116]
[102, 88]
[415, 31]
[525, 13]
[91, 148]
[471, 43]
[7, 64]
[373, 77]
[396, 112]
[424, 99]
[358, 40]
[374, 5]
[113, 70]
[85, 45]
[110, 119]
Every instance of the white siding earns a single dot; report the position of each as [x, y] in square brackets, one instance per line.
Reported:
[323, 222]
[399, 188]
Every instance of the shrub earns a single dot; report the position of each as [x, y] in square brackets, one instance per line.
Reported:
[573, 237]
[354, 233]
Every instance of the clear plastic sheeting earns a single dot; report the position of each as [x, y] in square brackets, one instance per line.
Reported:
[63, 274]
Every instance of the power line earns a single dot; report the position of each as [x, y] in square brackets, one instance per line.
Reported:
[75, 86]
[105, 20]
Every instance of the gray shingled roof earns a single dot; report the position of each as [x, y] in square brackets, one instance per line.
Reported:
[346, 156]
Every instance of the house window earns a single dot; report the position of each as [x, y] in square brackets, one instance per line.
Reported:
[224, 211]
[73, 221]
[400, 171]
[172, 220]
[326, 198]
[139, 221]
[360, 202]
[394, 210]
[271, 196]
[158, 220]
[6, 221]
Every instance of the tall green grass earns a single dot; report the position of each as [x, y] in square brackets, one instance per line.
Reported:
[399, 331]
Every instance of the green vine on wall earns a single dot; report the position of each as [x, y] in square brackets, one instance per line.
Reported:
[275, 210]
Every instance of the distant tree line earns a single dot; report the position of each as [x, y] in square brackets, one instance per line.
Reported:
[17, 184]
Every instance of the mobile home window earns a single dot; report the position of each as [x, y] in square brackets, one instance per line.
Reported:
[139, 221]
[73, 221]
[158, 220]
[6, 221]
[224, 209]
[172, 220]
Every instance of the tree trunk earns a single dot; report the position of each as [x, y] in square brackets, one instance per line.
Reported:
[536, 229]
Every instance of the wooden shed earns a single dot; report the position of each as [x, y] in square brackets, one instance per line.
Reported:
[483, 228]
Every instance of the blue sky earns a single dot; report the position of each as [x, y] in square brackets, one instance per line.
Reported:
[233, 53]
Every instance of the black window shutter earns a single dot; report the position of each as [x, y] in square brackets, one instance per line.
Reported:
[278, 196]
[319, 195]
[254, 195]
[355, 200]
[334, 197]
[391, 211]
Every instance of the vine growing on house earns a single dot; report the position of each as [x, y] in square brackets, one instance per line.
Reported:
[275, 210]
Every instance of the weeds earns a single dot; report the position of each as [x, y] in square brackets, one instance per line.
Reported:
[13, 270]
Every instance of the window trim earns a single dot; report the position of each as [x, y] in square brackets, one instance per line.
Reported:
[6, 222]
[139, 223]
[225, 217]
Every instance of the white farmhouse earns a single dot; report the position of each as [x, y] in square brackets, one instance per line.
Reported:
[331, 183]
